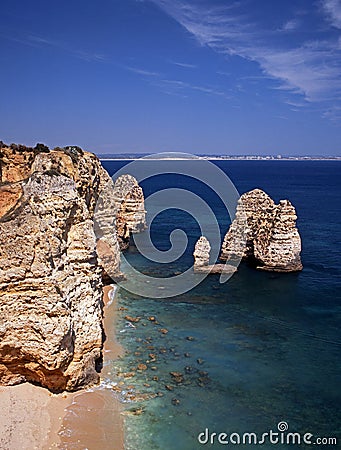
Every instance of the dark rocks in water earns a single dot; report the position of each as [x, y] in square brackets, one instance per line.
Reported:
[134, 411]
[152, 357]
[200, 361]
[132, 319]
[175, 402]
[190, 338]
[116, 388]
[204, 380]
[169, 387]
[177, 377]
[150, 347]
[129, 374]
[187, 355]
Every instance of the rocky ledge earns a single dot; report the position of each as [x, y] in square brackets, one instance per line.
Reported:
[263, 233]
[52, 263]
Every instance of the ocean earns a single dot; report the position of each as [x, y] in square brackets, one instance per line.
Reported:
[260, 352]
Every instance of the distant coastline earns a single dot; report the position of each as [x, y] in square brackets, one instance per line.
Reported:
[132, 157]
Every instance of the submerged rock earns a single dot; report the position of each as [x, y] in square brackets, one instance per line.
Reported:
[134, 411]
[177, 377]
[264, 233]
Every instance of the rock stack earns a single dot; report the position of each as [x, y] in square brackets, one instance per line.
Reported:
[264, 234]
[201, 253]
[130, 212]
[202, 258]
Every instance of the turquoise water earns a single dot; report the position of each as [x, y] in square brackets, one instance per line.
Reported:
[261, 348]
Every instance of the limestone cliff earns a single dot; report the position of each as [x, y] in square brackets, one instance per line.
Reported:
[264, 233]
[55, 226]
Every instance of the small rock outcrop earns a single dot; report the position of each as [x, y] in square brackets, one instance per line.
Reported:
[202, 264]
[201, 253]
[264, 234]
[57, 231]
[130, 211]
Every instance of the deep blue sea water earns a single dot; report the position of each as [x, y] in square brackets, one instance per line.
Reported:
[265, 348]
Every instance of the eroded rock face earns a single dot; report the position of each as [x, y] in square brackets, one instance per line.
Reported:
[131, 214]
[16, 163]
[264, 233]
[50, 272]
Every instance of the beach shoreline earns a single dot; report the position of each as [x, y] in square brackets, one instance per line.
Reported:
[34, 418]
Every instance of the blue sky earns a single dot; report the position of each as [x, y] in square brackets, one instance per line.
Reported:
[201, 76]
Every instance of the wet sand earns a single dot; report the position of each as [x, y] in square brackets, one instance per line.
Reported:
[28, 414]
[33, 418]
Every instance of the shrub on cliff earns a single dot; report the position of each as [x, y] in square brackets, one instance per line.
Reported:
[41, 148]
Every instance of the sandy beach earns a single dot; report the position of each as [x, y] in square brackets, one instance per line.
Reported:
[34, 418]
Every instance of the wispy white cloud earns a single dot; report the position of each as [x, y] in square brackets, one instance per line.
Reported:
[143, 72]
[222, 72]
[290, 25]
[182, 64]
[296, 104]
[174, 93]
[174, 87]
[332, 9]
[182, 85]
[311, 69]
[89, 56]
[282, 117]
[333, 114]
[33, 40]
